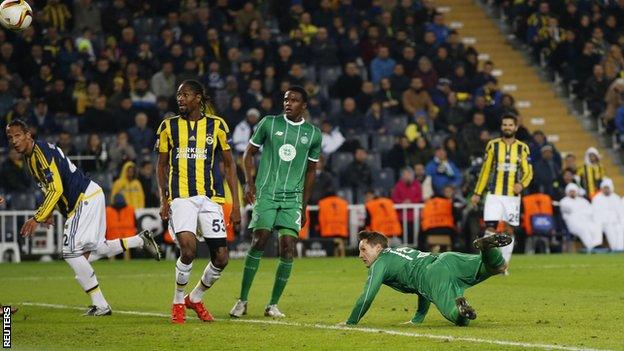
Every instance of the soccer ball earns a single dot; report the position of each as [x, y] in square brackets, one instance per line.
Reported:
[15, 15]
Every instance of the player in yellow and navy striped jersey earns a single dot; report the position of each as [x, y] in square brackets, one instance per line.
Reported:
[190, 146]
[81, 201]
[505, 172]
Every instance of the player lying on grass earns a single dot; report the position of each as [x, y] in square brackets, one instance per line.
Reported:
[81, 201]
[436, 278]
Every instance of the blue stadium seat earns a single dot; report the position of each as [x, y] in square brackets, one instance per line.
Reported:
[397, 125]
[345, 193]
[374, 161]
[384, 179]
[340, 161]
[70, 124]
[80, 141]
[382, 143]
[361, 138]
[22, 201]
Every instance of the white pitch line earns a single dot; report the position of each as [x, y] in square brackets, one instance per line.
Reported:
[351, 329]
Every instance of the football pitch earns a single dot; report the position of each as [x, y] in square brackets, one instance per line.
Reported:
[555, 302]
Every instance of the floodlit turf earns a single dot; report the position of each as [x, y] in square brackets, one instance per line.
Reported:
[574, 301]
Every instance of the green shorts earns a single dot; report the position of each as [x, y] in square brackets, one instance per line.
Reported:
[285, 216]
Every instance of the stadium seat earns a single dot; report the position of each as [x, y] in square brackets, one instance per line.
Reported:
[382, 143]
[384, 179]
[345, 193]
[80, 141]
[340, 161]
[374, 161]
[361, 138]
[22, 201]
[397, 125]
[70, 124]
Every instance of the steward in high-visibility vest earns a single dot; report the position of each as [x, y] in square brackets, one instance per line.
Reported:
[381, 216]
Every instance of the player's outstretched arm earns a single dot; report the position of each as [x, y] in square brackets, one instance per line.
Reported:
[421, 311]
[371, 288]
[310, 176]
[163, 188]
[250, 173]
[232, 180]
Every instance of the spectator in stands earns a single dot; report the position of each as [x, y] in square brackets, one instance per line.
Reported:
[121, 152]
[579, 218]
[141, 97]
[591, 173]
[455, 153]
[376, 119]
[244, 130]
[407, 191]
[443, 172]
[536, 145]
[569, 163]
[319, 104]
[595, 90]
[6, 97]
[382, 66]
[399, 80]
[608, 211]
[388, 97]
[422, 151]
[235, 113]
[163, 81]
[358, 175]
[416, 98]
[141, 136]
[98, 119]
[420, 127]
[148, 183]
[546, 173]
[332, 139]
[42, 120]
[399, 156]
[350, 120]
[348, 84]
[323, 183]
[14, 174]
[129, 186]
[438, 28]
[66, 144]
[324, 51]
[95, 156]
[365, 97]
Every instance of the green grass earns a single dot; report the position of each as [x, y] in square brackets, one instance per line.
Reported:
[573, 301]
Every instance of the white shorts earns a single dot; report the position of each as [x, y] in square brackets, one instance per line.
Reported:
[502, 208]
[86, 227]
[198, 215]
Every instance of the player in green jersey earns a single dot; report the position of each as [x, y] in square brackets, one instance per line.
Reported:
[436, 278]
[290, 149]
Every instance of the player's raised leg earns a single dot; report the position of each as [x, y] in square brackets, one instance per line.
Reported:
[493, 260]
[142, 240]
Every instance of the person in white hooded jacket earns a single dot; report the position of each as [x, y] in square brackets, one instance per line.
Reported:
[609, 214]
[578, 216]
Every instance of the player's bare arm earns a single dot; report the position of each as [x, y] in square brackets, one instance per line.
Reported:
[163, 189]
[232, 180]
[307, 189]
[250, 173]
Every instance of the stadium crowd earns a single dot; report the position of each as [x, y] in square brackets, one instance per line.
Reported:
[405, 108]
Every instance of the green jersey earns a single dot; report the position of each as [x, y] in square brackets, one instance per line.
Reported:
[401, 268]
[286, 148]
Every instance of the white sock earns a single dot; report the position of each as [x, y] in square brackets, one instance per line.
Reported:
[114, 247]
[85, 275]
[211, 274]
[183, 273]
[507, 250]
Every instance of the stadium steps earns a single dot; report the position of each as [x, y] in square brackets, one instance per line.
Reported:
[544, 111]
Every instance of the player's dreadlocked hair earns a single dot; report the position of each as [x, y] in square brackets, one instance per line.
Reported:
[205, 104]
[373, 238]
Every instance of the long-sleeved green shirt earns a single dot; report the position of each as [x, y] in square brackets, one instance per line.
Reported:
[402, 269]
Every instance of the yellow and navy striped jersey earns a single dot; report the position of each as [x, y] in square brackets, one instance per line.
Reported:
[504, 165]
[62, 183]
[591, 176]
[193, 149]
[57, 16]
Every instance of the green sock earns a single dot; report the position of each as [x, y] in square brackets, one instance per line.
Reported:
[492, 258]
[281, 278]
[252, 261]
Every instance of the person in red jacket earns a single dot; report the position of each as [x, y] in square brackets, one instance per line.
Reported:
[407, 191]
